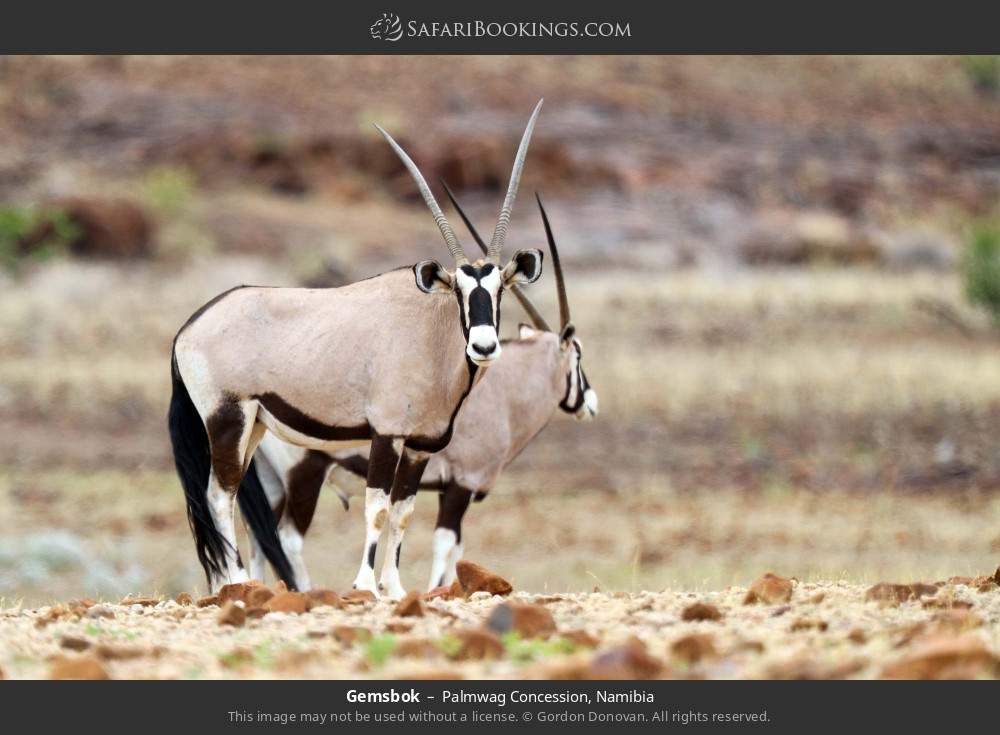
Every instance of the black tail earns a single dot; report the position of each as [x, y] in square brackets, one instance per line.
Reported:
[191, 456]
[261, 522]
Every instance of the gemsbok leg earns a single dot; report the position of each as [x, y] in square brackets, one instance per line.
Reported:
[382, 463]
[269, 482]
[404, 493]
[453, 501]
[233, 435]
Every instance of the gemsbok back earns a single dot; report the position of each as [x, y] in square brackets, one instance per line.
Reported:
[541, 371]
[386, 361]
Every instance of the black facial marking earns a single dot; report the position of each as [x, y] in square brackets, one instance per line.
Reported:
[399, 548]
[581, 387]
[480, 307]
[372, 548]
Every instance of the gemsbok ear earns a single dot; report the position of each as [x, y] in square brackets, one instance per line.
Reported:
[432, 277]
[567, 332]
[524, 267]
[526, 331]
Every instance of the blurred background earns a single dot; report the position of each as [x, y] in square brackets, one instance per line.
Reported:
[785, 273]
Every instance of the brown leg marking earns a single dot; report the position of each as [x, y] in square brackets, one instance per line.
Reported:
[225, 429]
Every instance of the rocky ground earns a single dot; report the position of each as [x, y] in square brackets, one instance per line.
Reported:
[777, 628]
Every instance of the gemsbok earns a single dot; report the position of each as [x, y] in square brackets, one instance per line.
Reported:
[515, 400]
[385, 362]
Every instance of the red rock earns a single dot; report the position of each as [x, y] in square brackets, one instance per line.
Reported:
[81, 667]
[895, 593]
[478, 645]
[73, 643]
[694, 647]
[257, 596]
[945, 601]
[110, 652]
[410, 606]
[232, 614]
[289, 602]
[809, 624]
[807, 668]
[701, 611]
[351, 634]
[398, 626]
[526, 619]
[474, 578]
[946, 657]
[580, 638]
[956, 620]
[416, 648]
[237, 591]
[256, 613]
[358, 597]
[208, 601]
[628, 661]
[326, 597]
[769, 589]
[184, 599]
[54, 613]
[443, 593]
[144, 601]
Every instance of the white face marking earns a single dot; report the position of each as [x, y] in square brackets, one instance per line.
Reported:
[485, 337]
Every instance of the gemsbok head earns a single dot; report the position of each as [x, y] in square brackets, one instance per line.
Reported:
[387, 361]
[477, 285]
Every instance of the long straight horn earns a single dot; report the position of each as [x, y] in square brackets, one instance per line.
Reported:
[425, 191]
[536, 318]
[557, 266]
[503, 221]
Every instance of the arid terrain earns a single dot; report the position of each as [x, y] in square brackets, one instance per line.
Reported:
[778, 629]
[763, 266]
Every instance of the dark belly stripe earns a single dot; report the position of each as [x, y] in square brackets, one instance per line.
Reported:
[305, 424]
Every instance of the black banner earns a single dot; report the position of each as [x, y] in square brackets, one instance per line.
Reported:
[451, 27]
[457, 706]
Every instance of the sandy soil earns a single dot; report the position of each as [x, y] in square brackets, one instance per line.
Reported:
[824, 630]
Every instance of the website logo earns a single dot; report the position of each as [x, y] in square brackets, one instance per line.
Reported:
[387, 28]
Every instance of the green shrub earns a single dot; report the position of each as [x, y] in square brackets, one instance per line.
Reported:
[53, 228]
[379, 649]
[981, 269]
[983, 72]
